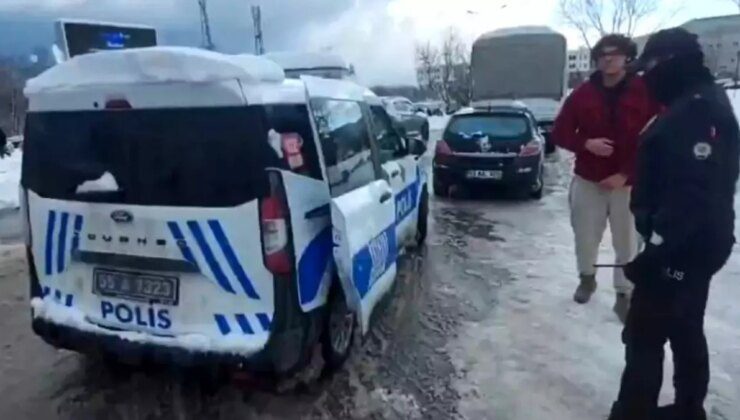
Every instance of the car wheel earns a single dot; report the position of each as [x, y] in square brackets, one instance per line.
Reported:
[339, 330]
[425, 132]
[440, 189]
[539, 186]
[422, 224]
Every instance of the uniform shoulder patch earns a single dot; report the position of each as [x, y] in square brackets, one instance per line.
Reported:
[702, 150]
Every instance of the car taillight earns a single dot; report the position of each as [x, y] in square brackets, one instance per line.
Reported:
[532, 148]
[442, 149]
[274, 222]
[117, 104]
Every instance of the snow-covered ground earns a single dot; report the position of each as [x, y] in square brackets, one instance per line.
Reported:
[10, 176]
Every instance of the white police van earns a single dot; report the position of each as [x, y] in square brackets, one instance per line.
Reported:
[190, 207]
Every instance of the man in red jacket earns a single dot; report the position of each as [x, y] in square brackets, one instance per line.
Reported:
[600, 122]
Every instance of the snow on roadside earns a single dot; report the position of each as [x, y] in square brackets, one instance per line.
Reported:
[735, 100]
[437, 123]
[10, 177]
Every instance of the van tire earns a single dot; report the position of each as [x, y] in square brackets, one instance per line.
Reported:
[339, 320]
[422, 224]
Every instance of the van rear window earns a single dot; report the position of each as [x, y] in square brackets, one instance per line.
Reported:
[196, 157]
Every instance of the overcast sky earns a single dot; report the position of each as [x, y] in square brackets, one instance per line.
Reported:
[378, 36]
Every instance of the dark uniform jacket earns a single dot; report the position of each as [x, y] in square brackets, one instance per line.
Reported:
[687, 169]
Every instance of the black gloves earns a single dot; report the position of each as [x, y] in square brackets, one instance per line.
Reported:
[647, 266]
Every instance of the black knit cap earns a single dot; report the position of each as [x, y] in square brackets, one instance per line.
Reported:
[666, 44]
[622, 43]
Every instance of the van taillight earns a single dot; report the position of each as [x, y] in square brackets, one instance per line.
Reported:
[274, 223]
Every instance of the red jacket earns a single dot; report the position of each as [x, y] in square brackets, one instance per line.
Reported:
[619, 114]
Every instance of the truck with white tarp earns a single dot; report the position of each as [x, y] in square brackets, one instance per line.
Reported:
[526, 64]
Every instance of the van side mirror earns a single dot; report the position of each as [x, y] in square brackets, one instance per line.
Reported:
[417, 147]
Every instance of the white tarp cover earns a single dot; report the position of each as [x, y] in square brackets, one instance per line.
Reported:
[525, 62]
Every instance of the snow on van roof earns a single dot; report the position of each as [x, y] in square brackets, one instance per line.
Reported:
[318, 87]
[518, 30]
[293, 60]
[154, 65]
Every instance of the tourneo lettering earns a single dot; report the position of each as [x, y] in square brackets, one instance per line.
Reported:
[136, 315]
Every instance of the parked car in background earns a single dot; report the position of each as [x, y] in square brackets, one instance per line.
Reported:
[491, 146]
[431, 108]
[403, 112]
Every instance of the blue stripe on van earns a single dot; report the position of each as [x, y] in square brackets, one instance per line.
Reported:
[210, 258]
[223, 324]
[231, 258]
[77, 232]
[313, 264]
[264, 321]
[62, 244]
[68, 301]
[58, 295]
[181, 243]
[244, 324]
[49, 241]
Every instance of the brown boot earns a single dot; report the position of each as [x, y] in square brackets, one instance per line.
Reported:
[585, 289]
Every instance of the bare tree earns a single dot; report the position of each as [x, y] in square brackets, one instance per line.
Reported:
[601, 17]
[428, 67]
[736, 3]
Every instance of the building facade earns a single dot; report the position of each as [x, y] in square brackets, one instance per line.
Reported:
[579, 66]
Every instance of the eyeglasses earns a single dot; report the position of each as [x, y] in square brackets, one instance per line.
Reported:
[610, 54]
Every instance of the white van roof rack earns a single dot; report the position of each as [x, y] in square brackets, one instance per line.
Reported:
[155, 65]
[293, 60]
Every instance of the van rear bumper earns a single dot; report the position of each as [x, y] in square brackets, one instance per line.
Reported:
[129, 352]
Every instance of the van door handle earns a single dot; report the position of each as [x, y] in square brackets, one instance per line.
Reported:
[386, 196]
[395, 174]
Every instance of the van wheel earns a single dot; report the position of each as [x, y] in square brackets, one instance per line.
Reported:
[422, 224]
[339, 330]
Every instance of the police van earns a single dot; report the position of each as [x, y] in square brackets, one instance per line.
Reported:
[190, 207]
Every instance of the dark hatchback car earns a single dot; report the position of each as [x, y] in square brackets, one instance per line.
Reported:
[491, 146]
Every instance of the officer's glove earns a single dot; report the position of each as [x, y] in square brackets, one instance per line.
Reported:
[647, 266]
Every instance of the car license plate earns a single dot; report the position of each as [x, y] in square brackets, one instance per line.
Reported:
[477, 174]
[136, 286]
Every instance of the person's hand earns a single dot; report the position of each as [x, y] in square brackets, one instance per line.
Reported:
[614, 182]
[600, 147]
[647, 265]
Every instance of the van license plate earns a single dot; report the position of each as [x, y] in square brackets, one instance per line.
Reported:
[477, 174]
[136, 286]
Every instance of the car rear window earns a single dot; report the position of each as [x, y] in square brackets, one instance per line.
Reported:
[496, 127]
[199, 157]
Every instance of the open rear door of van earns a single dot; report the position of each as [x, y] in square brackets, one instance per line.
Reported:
[365, 246]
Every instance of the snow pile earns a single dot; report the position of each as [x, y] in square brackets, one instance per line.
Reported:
[734, 95]
[10, 178]
[154, 65]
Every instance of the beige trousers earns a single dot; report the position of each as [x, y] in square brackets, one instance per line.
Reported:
[591, 207]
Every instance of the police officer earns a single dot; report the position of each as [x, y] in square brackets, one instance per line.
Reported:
[683, 205]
